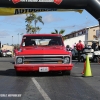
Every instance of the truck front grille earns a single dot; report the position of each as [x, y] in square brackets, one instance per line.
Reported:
[44, 59]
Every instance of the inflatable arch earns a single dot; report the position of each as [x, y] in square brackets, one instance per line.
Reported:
[92, 6]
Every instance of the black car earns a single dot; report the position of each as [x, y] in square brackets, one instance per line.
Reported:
[1, 53]
[74, 54]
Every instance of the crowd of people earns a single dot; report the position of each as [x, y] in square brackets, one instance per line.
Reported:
[80, 47]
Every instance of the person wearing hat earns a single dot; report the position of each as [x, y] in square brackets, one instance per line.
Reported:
[79, 47]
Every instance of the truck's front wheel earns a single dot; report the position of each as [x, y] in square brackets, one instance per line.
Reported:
[68, 72]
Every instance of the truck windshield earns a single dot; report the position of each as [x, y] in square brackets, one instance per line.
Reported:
[41, 40]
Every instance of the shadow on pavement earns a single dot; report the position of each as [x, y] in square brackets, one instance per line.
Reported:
[77, 75]
[12, 62]
[9, 72]
[12, 72]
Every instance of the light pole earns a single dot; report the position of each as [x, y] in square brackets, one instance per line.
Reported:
[12, 40]
[99, 31]
[18, 38]
[21, 34]
[99, 25]
[12, 45]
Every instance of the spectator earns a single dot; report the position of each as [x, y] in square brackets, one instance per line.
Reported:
[99, 42]
[68, 48]
[97, 46]
[94, 46]
[74, 45]
[86, 46]
[95, 37]
[79, 47]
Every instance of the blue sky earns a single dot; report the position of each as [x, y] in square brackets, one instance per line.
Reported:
[69, 21]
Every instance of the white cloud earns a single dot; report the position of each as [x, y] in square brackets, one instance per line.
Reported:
[78, 26]
[50, 18]
[2, 37]
[13, 19]
[3, 33]
[21, 30]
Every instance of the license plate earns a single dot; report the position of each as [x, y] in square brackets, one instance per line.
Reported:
[43, 69]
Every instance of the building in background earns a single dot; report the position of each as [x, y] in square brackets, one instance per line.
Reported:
[84, 34]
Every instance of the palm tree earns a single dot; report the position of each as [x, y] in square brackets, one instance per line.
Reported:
[36, 19]
[33, 17]
[29, 21]
[35, 29]
[38, 29]
[60, 32]
[28, 28]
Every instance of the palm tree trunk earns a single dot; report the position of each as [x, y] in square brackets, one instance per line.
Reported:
[35, 26]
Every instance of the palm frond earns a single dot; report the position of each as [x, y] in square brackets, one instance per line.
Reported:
[64, 37]
[29, 19]
[56, 31]
[53, 33]
[61, 31]
[39, 18]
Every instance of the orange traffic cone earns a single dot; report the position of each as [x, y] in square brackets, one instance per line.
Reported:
[84, 67]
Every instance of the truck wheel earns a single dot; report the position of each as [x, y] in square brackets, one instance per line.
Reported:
[68, 72]
[82, 59]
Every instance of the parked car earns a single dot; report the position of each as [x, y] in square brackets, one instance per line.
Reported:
[74, 54]
[4, 53]
[8, 53]
[1, 53]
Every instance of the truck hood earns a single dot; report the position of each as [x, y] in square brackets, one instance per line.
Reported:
[36, 50]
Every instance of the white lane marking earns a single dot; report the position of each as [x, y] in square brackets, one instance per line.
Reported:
[43, 93]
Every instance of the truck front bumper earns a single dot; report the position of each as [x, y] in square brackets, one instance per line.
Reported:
[43, 67]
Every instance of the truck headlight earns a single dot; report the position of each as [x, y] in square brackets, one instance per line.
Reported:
[66, 60]
[19, 60]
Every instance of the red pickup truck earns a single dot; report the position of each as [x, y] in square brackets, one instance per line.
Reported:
[43, 53]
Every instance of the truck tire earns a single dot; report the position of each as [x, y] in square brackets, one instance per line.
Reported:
[68, 72]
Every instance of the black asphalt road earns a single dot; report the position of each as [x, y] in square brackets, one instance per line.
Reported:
[48, 86]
